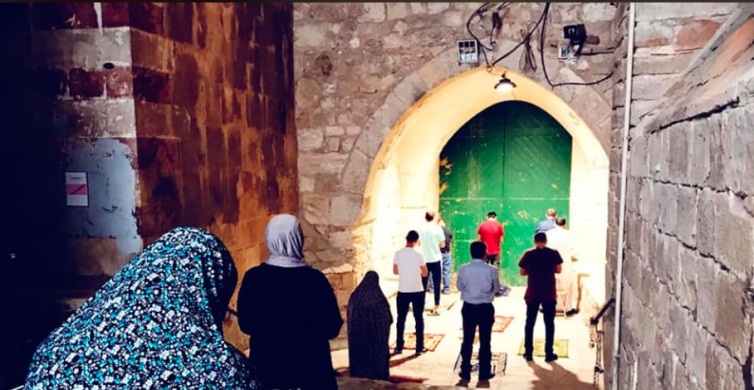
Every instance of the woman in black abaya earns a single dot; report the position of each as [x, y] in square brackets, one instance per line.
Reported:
[369, 321]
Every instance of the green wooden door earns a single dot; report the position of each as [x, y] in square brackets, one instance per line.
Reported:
[512, 158]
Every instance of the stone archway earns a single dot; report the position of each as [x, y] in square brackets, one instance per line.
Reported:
[395, 160]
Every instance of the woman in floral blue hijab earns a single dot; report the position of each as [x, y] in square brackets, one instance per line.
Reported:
[156, 324]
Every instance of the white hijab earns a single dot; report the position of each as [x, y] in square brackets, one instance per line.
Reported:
[285, 242]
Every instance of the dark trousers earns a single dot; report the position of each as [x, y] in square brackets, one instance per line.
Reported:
[435, 270]
[492, 259]
[416, 300]
[447, 266]
[483, 316]
[548, 312]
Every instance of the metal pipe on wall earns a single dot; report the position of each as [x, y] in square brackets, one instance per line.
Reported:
[623, 182]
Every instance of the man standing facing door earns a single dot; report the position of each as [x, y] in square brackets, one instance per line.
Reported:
[539, 265]
[409, 265]
[432, 241]
[561, 240]
[447, 258]
[547, 224]
[491, 233]
[478, 284]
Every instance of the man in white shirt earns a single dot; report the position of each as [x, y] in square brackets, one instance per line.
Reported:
[409, 265]
[561, 240]
[432, 240]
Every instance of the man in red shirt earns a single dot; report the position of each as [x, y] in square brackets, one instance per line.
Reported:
[491, 233]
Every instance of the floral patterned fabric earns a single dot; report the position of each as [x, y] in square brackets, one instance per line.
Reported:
[156, 324]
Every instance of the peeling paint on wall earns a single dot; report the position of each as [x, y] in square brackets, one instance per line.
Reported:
[112, 193]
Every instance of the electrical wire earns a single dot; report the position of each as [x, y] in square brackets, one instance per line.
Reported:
[497, 23]
[480, 13]
[542, 35]
[528, 36]
[528, 61]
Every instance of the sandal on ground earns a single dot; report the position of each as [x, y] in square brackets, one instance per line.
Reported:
[434, 313]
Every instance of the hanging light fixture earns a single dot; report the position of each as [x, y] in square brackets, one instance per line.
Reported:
[505, 84]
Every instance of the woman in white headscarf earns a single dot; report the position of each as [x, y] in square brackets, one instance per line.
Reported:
[290, 311]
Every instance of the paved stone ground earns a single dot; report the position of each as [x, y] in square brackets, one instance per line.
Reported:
[574, 372]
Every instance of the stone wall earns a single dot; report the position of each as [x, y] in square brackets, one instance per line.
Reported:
[687, 288]
[181, 114]
[216, 138]
[360, 67]
[668, 38]
[88, 109]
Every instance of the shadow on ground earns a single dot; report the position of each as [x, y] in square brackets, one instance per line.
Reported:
[393, 363]
[557, 377]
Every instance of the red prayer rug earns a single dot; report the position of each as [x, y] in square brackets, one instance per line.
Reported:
[431, 340]
[501, 323]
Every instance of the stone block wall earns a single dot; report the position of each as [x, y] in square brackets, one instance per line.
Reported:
[216, 138]
[668, 39]
[87, 109]
[360, 67]
[620, 26]
[687, 287]
[181, 114]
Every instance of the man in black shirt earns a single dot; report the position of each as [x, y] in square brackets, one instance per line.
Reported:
[540, 264]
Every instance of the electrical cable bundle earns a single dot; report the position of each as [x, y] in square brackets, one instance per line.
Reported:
[528, 61]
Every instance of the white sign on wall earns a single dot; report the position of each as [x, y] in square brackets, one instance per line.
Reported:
[76, 189]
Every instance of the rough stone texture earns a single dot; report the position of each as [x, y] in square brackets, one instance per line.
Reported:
[359, 67]
[687, 301]
[216, 137]
[181, 114]
[62, 111]
[88, 108]
[667, 39]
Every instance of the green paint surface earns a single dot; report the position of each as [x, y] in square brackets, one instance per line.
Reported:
[512, 158]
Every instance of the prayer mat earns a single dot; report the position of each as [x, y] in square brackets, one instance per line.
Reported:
[405, 379]
[500, 325]
[499, 363]
[430, 341]
[560, 347]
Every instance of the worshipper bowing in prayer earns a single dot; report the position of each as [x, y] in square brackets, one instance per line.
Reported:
[156, 324]
[290, 312]
[369, 321]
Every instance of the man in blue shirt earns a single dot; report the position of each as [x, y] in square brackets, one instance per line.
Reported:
[432, 240]
[547, 224]
[478, 283]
